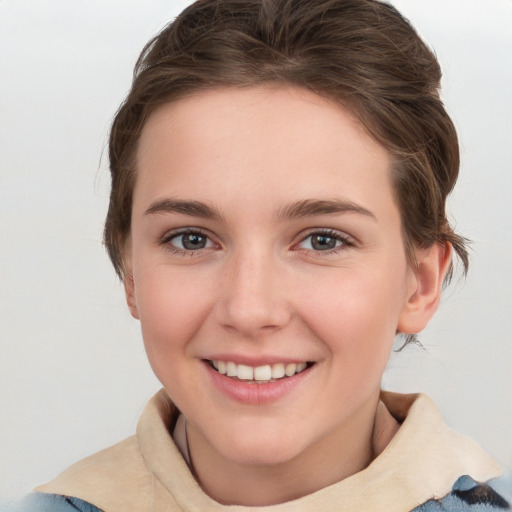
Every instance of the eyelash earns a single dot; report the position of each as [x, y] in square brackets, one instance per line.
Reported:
[168, 237]
[345, 240]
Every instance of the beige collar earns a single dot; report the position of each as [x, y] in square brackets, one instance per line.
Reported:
[147, 473]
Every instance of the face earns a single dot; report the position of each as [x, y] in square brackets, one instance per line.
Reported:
[269, 271]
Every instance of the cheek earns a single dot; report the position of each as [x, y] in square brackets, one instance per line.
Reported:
[171, 309]
[171, 312]
[356, 313]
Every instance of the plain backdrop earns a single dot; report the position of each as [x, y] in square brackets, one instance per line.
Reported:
[73, 373]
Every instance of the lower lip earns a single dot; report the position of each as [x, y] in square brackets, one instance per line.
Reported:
[254, 393]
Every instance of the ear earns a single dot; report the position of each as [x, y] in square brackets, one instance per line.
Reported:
[128, 282]
[424, 290]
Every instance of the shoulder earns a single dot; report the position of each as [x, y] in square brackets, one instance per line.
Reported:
[122, 478]
[468, 495]
[107, 479]
[42, 502]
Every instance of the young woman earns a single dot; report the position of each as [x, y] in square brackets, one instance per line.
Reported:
[280, 170]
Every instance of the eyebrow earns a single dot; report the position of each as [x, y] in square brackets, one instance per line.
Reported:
[313, 207]
[296, 210]
[192, 208]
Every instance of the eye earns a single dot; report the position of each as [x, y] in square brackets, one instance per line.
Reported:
[324, 241]
[188, 241]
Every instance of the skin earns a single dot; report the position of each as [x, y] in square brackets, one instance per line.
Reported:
[260, 288]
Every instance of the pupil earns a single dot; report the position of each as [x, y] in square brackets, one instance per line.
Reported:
[193, 241]
[323, 242]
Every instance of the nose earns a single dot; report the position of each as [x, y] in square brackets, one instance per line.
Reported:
[253, 297]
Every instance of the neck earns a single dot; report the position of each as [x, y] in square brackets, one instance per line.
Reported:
[340, 454]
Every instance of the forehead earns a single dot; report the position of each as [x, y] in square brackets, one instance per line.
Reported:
[257, 141]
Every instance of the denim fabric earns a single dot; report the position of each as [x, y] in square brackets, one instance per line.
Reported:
[470, 496]
[40, 502]
[467, 496]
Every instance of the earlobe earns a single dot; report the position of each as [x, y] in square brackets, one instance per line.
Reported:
[129, 290]
[128, 282]
[425, 289]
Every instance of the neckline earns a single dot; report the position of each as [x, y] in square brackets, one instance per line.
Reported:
[422, 461]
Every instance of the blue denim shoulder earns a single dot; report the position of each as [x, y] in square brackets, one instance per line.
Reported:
[41, 502]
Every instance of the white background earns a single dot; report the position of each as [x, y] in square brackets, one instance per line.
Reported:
[73, 374]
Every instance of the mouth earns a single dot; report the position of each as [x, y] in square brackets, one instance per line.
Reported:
[258, 374]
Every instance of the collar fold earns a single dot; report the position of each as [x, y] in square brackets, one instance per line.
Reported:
[146, 472]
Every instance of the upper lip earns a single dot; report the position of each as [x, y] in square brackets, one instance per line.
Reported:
[256, 360]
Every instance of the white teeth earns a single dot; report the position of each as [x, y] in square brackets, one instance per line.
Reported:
[301, 367]
[221, 366]
[264, 373]
[231, 369]
[277, 370]
[290, 369]
[245, 372]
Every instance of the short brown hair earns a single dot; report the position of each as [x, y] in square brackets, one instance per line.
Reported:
[360, 53]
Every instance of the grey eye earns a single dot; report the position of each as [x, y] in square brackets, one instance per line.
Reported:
[322, 242]
[191, 241]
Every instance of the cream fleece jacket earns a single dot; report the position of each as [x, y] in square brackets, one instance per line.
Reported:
[147, 473]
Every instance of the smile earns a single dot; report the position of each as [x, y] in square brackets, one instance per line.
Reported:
[258, 374]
